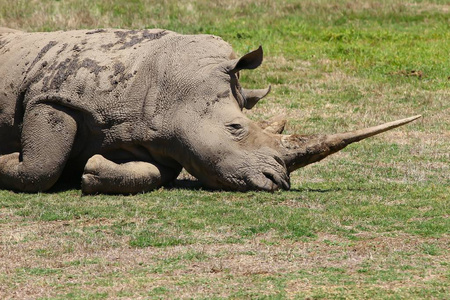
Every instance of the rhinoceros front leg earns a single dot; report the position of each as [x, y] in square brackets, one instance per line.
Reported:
[102, 175]
[47, 137]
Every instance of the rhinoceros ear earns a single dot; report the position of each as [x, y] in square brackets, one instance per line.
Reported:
[253, 96]
[250, 60]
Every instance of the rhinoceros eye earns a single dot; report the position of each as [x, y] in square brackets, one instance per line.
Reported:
[236, 129]
[235, 126]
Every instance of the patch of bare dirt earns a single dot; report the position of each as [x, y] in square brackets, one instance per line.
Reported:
[409, 73]
[429, 7]
[300, 204]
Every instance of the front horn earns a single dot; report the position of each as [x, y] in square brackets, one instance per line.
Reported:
[301, 150]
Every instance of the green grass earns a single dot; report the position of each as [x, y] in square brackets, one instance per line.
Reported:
[370, 222]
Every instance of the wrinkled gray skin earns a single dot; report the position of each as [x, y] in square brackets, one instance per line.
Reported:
[129, 109]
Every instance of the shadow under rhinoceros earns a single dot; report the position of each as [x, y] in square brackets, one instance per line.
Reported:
[194, 184]
[71, 180]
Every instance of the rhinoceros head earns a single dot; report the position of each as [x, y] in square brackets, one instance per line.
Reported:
[225, 149]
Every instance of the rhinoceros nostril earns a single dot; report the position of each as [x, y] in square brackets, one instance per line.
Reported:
[279, 160]
[278, 180]
[271, 177]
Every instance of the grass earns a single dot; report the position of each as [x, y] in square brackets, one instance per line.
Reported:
[370, 222]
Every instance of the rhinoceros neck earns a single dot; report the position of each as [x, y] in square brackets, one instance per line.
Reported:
[178, 75]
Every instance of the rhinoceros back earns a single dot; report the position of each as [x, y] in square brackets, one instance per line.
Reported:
[94, 69]
[88, 71]
[106, 75]
[75, 64]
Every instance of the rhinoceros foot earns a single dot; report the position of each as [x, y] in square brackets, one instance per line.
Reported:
[102, 175]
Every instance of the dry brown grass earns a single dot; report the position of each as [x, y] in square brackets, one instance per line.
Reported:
[35, 14]
[128, 269]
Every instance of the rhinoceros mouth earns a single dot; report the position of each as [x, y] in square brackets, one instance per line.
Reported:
[267, 180]
[262, 170]
[264, 181]
[247, 179]
[277, 181]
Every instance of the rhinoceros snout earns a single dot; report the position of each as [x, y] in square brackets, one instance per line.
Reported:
[270, 181]
[270, 174]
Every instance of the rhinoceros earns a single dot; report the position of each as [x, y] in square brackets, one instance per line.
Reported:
[126, 110]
